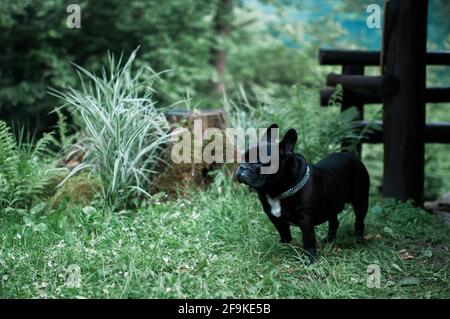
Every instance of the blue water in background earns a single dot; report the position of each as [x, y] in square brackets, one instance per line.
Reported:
[354, 23]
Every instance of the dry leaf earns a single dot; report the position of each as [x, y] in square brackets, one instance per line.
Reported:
[378, 237]
[405, 255]
[368, 237]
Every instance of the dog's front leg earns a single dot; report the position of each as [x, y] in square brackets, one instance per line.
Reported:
[282, 226]
[309, 238]
[285, 232]
[283, 229]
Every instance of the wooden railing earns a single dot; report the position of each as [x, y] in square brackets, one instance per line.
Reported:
[402, 90]
[359, 90]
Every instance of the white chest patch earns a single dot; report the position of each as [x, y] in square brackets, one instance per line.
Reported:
[275, 206]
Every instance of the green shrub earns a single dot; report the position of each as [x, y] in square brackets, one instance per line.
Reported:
[124, 131]
[321, 131]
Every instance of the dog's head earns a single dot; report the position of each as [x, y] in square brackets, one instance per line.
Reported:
[264, 162]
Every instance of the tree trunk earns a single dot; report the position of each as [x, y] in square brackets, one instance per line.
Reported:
[222, 28]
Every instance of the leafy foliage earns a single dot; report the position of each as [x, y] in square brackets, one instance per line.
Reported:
[24, 173]
[124, 132]
[321, 132]
[37, 45]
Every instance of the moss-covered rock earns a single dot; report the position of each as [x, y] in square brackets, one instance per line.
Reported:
[79, 189]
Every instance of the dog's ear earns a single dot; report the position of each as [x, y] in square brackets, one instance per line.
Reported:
[268, 137]
[288, 143]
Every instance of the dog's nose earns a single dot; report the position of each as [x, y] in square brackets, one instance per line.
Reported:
[239, 173]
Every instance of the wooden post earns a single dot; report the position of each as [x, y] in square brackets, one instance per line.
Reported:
[403, 56]
[353, 69]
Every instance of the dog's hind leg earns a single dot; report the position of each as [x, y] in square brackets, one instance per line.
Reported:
[360, 207]
[333, 225]
[360, 201]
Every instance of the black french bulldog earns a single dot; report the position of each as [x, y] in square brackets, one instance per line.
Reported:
[306, 195]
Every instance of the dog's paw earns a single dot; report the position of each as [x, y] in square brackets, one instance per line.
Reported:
[311, 253]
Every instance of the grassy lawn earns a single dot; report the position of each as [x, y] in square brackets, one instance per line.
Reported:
[216, 243]
[84, 129]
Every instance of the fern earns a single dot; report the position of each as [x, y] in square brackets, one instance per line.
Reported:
[42, 148]
[66, 140]
[23, 173]
[8, 154]
[321, 131]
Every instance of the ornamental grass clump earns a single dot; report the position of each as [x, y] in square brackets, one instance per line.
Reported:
[124, 133]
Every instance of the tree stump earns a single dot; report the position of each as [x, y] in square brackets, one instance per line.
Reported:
[174, 175]
[210, 118]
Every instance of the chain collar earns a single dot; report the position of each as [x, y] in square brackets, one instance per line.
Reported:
[291, 191]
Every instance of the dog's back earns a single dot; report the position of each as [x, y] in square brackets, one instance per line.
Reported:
[346, 180]
[344, 167]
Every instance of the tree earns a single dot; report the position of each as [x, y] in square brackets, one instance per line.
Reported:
[222, 27]
[37, 48]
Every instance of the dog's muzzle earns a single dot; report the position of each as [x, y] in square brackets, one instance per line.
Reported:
[242, 174]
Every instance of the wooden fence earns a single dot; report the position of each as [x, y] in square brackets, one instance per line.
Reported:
[401, 89]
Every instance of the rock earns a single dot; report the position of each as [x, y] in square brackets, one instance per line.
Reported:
[440, 206]
[79, 190]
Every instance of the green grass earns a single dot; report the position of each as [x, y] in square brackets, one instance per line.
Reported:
[216, 243]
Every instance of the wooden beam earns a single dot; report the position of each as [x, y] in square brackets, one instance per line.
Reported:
[383, 83]
[347, 57]
[372, 58]
[404, 52]
[437, 95]
[438, 58]
[436, 132]
[353, 97]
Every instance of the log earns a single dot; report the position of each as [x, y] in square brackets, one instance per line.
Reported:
[372, 58]
[438, 58]
[347, 57]
[435, 132]
[385, 83]
[437, 95]
[353, 97]
[403, 57]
